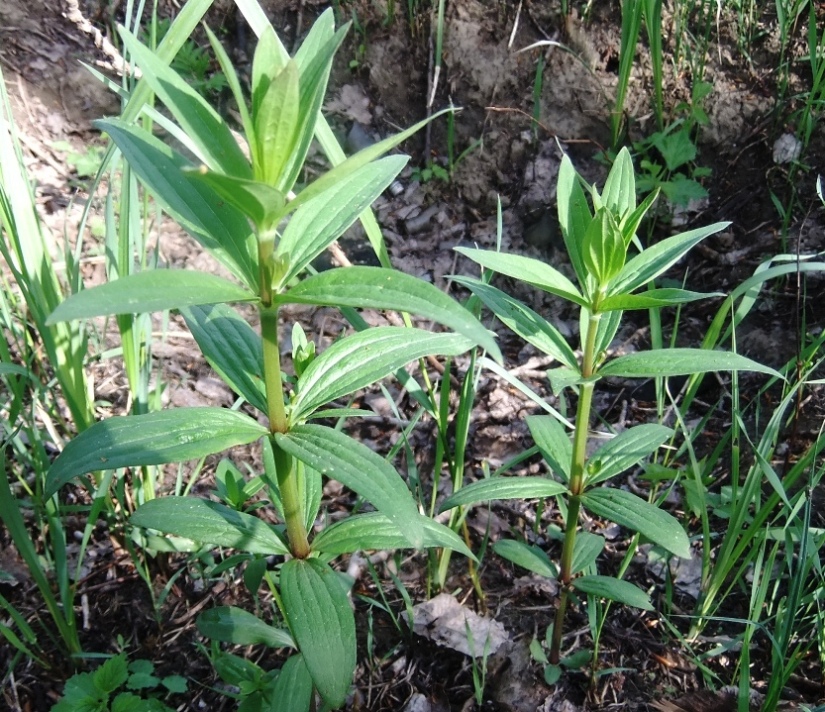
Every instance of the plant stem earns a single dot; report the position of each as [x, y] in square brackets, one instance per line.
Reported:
[576, 483]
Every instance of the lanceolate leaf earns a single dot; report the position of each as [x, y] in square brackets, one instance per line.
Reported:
[218, 226]
[680, 362]
[635, 513]
[152, 439]
[587, 549]
[317, 223]
[209, 523]
[353, 464]
[522, 320]
[574, 214]
[319, 615]
[503, 488]
[148, 291]
[278, 125]
[200, 121]
[528, 557]
[526, 269]
[229, 624]
[375, 531]
[258, 201]
[619, 192]
[379, 288]
[624, 451]
[654, 298]
[293, 688]
[231, 347]
[615, 590]
[659, 257]
[363, 358]
[553, 442]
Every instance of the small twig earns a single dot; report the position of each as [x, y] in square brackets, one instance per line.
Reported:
[73, 14]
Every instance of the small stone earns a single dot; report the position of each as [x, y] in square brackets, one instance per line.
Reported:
[786, 149]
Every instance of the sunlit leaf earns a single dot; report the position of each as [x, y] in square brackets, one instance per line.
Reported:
[624, 451]
[586, 550]
[553, 441]
[503, 488]
[680, 362]
[528, 557]
[613, 589]
[229, 624]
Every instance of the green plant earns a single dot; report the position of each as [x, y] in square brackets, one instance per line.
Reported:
[98, 691]
[599, 243]
[239, 209]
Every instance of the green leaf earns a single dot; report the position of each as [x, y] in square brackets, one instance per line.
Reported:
[176, 684]
[111, 675]
[209, 523]
[218, 226]
[278, 124]
[604, 250]
[361, 359]
[554, 443]
[574, 214]
[379, 288]
[653, 299]
[260, 202]
[634, 513]
[522, 320]
[528, 270]
[319, 615]
[152, 439]
[503, 488]
[374, 531]
[619, 192]
[613, 589]
[528, 557]
[201, 122]
[552, 674]
[624, 451]
[148, 291]
[655, 260]
[293, 688]
[322, 220]
[229, 624]
[586, 551]
[354, 465]
[231, 347]
[680, 362]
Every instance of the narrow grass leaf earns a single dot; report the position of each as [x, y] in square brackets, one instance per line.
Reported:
[614, 590]
[219, 227]
[152, 439]
[376, 531]
[209, 523]
[360, 359]
[553, 442]
[528, 557]
[199, 120]
[503, 488]
[586, 550]
[230, 624]
[654, 298]
[526, 269]
[624, 451]
[633, 512]
[319, 614]
[522, 320]
[680, 362]
[148, 291]
[356, 466]
[293, 689]
[658, 258]
[320, 221]
[231, 347]
[379, 288]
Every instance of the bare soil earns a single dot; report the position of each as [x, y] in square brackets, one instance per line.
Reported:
[381, 82]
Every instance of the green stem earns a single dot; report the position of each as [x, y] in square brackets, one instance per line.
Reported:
[576, 484]
[287, 472]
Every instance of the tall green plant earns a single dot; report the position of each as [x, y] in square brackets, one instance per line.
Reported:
[600, 242]
[238, 208]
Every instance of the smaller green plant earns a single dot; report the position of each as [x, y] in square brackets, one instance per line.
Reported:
[85, 162]
[430, 171]
[552, 673]
[668, 157]
[102, 689]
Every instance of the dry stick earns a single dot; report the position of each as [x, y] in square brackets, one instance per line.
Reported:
[73, 14]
